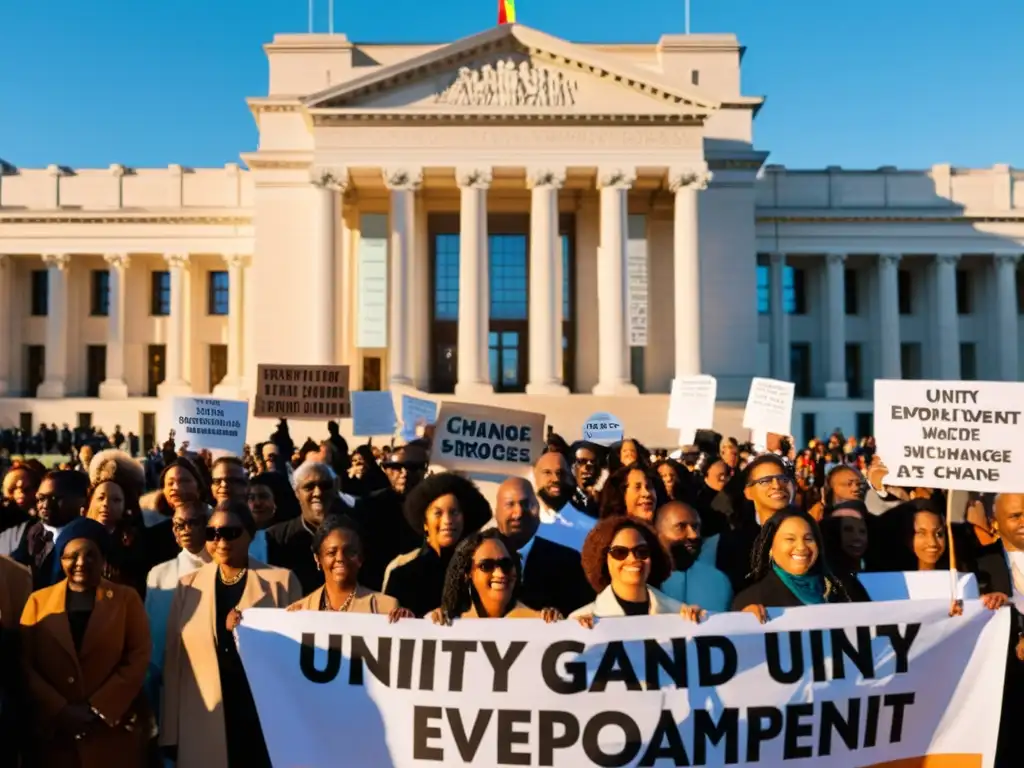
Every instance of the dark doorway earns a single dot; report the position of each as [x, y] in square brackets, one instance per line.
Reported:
[147, 428]
[35, 368]
[156, 368]
[218, 364]
[96, 368]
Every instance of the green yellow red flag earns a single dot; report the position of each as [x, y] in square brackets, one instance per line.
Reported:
[506, 11]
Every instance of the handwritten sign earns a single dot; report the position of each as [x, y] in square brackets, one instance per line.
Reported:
[691, 405]
[302, 392]
[416, 412]
[478, 438]
[603, 429]
[214, 425]
[957, 435]
[769, 406]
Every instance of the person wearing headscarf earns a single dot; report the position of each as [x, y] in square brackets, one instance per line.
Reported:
[85, 649]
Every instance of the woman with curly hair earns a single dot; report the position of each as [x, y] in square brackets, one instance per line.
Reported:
[628, 453]
[482, 582]
[624, 561]
[633, 491]
[445, 508]
[790, 569]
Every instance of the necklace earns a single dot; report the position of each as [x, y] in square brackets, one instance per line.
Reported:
[234, 580]
[343, 607]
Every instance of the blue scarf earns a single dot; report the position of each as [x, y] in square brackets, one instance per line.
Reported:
[809, 589]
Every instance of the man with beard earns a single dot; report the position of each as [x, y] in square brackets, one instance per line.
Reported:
[561, 522]
[587, 459]
[552, 575]
[678, 527]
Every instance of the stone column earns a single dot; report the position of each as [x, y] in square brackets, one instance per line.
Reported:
[889, 315]
[779, 319]
[613, 355]
[835, 323]
[174, 382]
[54, 384]
[231, 385]
[474, 376]
[114, 386]
[545, 283]
[1006, 315]
[686, 183]
[402, 184]
[947, 323]
[327, 183]
[6, 319]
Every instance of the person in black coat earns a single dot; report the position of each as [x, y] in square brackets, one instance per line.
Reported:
[445, 508]
[790, 569]
[552, 574]
[59, 501]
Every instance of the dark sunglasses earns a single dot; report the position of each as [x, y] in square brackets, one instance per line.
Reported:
[490, 564]
[408, 466]
[224, 533]
[640, 552]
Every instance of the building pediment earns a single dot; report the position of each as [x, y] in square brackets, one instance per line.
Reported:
[514, 70]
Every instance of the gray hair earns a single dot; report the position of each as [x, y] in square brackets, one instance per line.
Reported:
[313, 466]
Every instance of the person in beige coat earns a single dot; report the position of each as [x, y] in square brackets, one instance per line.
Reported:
[209, 718]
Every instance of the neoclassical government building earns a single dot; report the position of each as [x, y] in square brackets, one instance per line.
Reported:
[513, 219]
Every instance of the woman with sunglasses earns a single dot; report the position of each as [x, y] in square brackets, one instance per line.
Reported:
[482, 582]
[624, 561]
[338, 552]
[208, 715]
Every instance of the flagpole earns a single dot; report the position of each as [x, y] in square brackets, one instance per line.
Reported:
[330, 16]
[311, 17]
[687, 11]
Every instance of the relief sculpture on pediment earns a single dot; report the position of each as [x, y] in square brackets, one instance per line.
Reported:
[509, 83]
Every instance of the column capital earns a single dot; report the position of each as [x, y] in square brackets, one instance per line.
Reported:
[1007, 259]
[117, 260]
[56, 260]
[947, 259]
[545, 177]
[777, 258]
[889, 259]
[617, 178]
[473, 178]
[334, 178]
[176, 260]
[695, 177]
[404, 179]
[835, 259]
[236, 259]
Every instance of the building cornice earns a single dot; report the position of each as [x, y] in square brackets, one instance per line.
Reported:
[329, 117]
[893, 219]
[218, 218]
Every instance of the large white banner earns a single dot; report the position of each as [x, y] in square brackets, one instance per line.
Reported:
[842, 686]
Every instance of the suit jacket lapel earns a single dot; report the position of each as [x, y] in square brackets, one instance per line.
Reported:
[255, 590]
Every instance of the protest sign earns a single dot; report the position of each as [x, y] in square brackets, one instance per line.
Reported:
[602, 429]
[478, 438]
[769, 406]
[214, 425]
[956, 435]
[917, 585]
[302, 392]
[691, 405]
[373, 413]
[830, 686]
[416, 412]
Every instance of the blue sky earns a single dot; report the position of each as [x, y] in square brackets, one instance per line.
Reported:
[853, 83]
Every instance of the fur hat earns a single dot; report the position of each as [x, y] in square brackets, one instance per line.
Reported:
[118, 466]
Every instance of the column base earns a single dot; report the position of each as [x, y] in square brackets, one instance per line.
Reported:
[836, 390]
[615, 389]
[51, 390]
[473, 388]
[174, 389]
[549, 388]
[113, 389]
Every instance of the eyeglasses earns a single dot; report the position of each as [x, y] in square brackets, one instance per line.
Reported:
[639, 552]
[490, 564]
[765, 482]
[224, 533]
[585, 462]
[183, 525]
[398, 466]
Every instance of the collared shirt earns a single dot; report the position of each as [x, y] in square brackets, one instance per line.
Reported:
[52, 530]
[258, 546]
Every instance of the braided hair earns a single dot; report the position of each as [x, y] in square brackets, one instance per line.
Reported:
[458, 594]
[761, 554]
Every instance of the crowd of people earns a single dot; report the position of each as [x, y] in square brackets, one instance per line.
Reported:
[122, 579]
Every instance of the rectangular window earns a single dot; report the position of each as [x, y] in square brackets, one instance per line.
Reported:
[218, 364]
[99, 295]
[963, 292]
[694, 77]
[160, 293]
[808, 423]
[40, 292]
[865, 423]
[850, 291]
[764, 288]
[371, 374]
[968, 361]
[446, 277]
[35, 368]
[910, 360]
[217, 293]
[903, 289]
[508, 277]
[800, 368]
[1019, 277]
[799, 291]
[156, 368]
[854, 387]
[96, 368]
[566, 281]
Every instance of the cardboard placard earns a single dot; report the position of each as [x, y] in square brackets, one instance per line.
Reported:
[211, 424]
[478, 438]
[769, 406]
[302, 392]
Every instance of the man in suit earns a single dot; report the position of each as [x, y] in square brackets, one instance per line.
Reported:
[1000, 572]
[552, 574]
[59, 500]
